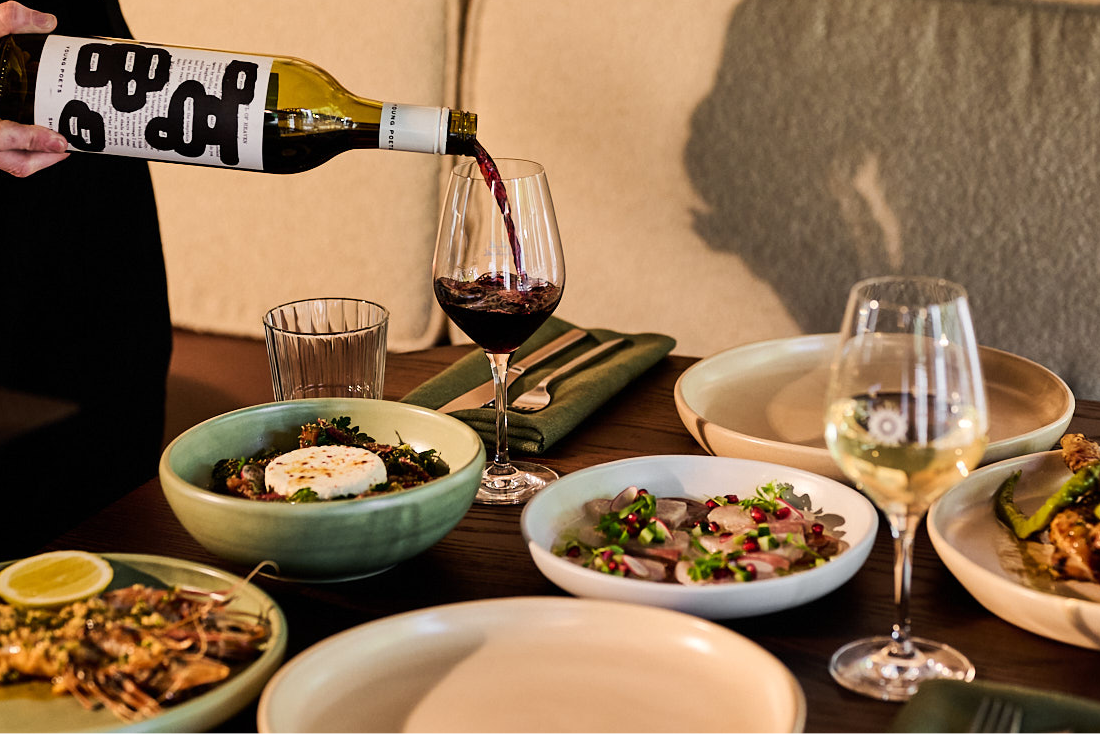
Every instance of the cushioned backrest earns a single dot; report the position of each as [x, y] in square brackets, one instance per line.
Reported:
[361, 225]
[724, 171]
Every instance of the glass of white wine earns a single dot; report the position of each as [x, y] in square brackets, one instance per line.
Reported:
[906, 419]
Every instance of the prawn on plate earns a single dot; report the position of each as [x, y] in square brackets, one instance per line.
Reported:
[133, 650]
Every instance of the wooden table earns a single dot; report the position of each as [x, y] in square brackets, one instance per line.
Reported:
[485, 557]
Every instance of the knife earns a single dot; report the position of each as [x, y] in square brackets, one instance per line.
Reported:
[485, 393]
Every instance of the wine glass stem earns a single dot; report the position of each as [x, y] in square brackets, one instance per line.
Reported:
[498, 361]
[903, 528]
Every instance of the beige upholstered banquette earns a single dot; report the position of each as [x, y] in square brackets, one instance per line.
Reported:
[723, 170]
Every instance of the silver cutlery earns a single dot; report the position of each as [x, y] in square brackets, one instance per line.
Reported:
[538, 397]
[484, 394]
[996, 714]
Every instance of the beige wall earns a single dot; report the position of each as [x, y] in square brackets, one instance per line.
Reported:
[362, 225]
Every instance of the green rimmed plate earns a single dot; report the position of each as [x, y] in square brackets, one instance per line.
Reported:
[32, 707]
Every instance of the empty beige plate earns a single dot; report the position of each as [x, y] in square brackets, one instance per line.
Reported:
[766, 401]
[534, 664]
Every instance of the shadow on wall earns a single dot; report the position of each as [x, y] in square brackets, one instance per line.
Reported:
[863, 137]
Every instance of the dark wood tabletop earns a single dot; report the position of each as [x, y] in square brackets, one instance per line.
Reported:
[485, 557]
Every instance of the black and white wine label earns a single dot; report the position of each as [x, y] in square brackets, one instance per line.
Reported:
[412, 128]
[171, 104]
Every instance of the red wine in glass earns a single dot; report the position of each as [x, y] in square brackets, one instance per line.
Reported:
[495, 310]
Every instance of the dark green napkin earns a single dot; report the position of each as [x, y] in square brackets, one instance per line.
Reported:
[950, 705]
[575, 397]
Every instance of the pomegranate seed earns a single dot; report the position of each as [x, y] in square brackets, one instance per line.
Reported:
[607, 555]
[631, 518]
[725, 536]
[757, 515]
[696, 523]
[750, 545]
[817, 528]
[612, 566]
[573, 552]
[713, 527]
[782, 512]
[751, 569]
[643, 492]
[732, 499]
[711, 504]
[721, 573]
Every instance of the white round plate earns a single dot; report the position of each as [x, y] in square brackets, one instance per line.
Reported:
[31, 706]
[534, 664]
[699, 477]
[987, 560]
[766, 401]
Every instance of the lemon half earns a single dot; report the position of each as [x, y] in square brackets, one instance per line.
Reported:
[53, 579]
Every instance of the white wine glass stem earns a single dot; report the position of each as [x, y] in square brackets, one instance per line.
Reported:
[904, 531]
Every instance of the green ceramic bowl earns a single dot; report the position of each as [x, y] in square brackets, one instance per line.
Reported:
[323, 541]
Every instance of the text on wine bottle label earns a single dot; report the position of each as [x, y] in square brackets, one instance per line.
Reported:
[124, 98]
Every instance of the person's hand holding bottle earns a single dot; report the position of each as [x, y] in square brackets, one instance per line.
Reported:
[25, 149]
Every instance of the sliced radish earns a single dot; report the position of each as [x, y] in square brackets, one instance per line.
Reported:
[624, 498]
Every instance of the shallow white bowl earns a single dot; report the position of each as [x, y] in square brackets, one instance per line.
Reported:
[986, 558]
[699, 477]
[534, 664]
[766, 401]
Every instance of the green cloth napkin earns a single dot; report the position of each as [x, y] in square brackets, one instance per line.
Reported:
[950, 705]
[575, 397]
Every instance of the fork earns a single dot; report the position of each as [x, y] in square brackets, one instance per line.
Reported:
[538, 397]
[996, 714]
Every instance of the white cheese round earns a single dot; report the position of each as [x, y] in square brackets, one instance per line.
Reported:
[330, 471]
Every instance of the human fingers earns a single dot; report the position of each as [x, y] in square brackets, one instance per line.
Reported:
[25, 149]
[17, 18]
[21, 163]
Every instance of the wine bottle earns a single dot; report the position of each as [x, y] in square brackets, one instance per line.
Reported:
[171, 103]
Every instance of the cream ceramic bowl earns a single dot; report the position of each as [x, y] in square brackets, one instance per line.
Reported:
[987, 560]
[530, 664]
[321, 541]
[766, 401]
[699, 477]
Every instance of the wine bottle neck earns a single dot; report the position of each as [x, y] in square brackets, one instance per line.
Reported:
[461, 133]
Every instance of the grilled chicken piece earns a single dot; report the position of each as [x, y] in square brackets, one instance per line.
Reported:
[1076, 542]
[1078, 451]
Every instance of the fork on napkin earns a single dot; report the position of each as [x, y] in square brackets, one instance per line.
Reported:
[950, 706]
[575, 397]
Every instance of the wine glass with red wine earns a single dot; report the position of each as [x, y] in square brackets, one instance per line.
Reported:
[499, 274]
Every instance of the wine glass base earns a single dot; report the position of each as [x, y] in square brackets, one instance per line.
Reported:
[517, 483]
[869, 667]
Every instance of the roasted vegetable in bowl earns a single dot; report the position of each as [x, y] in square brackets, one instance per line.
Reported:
[1068, 522]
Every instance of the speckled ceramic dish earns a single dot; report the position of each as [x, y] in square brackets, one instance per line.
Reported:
[766, 401]
[321, 541]
[988, 560]
[532, 664]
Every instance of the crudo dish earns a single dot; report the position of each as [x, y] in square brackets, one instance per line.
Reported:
[849, 518]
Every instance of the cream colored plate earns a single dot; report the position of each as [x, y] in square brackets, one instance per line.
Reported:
[986, 558]
[534, 664]
[766, 401]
